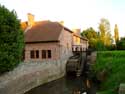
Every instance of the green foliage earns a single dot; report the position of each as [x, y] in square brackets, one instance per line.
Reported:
[100, 46]
[114, 64]
[107, 92]
[116, 34]
[92, 36]
[102, 40]
[105, 33]
[121, 44]
[11, 40]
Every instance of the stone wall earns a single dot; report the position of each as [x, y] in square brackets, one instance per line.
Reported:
[29, 75]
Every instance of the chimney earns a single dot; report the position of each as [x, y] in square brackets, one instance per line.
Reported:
[77, 31]
[62, 23]
[30, 19]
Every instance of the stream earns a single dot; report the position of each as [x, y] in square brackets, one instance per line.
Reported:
[68, 85]
[65, 85]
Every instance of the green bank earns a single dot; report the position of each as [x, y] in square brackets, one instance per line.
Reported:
[110, 70]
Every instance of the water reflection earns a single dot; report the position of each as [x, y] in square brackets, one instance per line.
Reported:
[65, 85]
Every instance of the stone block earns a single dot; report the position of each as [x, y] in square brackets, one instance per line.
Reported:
[122, 88]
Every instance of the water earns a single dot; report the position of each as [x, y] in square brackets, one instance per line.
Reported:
[65, 85]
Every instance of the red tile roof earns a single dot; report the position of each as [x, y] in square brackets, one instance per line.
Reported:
[44, 31]
[83, 38]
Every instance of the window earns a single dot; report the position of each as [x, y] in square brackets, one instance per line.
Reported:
[46, 54]
[23, 57]
[49, 53]
[37, 54]
[34, 54]
[76, 49]
[43, 54]
[81, 49]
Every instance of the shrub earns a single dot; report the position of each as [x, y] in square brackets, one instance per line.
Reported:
[11, 40]
[121, 44]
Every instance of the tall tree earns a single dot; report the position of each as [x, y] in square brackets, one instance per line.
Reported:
[11, 40]
[91, 35]
[105, 32]
[116, 34]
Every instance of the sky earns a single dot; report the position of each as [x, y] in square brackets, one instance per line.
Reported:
[75, 13]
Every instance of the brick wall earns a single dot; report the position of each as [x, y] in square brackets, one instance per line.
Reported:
[65, 43]
[54, 47]
[79, 43]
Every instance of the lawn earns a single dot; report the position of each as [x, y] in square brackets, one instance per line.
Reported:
[113, 63]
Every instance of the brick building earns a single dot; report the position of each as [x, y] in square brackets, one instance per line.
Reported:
[46, 40]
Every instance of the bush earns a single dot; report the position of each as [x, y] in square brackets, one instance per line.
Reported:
[121, 44]
[100, 46]
[11, 40]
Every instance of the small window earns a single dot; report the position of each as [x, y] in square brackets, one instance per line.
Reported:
[43, 54]
[37, 53]
[81, 49]
[49, 53]
[76, 49]
[23, 56]
[32, 54]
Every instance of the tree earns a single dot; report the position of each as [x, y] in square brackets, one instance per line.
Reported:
[121, 44]
[11, 40]
[105, 33]
[91, 35]
[116, 34]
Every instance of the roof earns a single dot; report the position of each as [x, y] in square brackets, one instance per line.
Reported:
[80, 36]
[44, 31]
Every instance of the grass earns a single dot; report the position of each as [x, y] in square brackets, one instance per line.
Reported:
[106, 92]
[114, 64]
